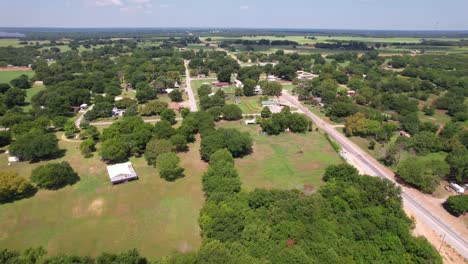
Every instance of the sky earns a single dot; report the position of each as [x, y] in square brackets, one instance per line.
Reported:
[304, 14]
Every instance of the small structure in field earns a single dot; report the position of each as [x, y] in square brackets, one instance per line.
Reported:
[270, 103]
[117, 112]
[271, 78]
[201, 75]
[258, 90]
[122, 172]
[351, 93]
[38, 83]
[176, 85]
[83, 106]
[169, 90]
[251, 121]
[13, 159]
[404, 134]
[457, 187]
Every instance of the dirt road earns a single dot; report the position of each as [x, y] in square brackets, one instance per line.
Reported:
[424, 207]
[188, 87]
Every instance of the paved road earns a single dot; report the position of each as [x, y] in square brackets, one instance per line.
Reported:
[188, 87]
[78, 121]
[421, 210]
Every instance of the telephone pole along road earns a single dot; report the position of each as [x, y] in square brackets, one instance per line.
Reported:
[188, 87]
[372, 167]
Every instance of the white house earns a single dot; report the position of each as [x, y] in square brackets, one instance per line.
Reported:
[122, 172]
[258, 90]
[250, 121]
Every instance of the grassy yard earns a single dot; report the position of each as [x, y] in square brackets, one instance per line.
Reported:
[7, 76]
[248, 105]
[30, 93]
[152, 215]
[286, 161]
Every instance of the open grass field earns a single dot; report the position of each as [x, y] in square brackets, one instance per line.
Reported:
[287, 161]
[30, 93]
[92, 216]
[7, 76]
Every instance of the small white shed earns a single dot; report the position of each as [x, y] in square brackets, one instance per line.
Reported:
[122, 172]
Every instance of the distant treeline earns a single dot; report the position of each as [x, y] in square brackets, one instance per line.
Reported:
[261, 42]
[351, 45]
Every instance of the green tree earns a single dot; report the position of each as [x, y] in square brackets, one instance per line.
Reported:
[169, 115]
[224, 75]
[156, 147]
[266, 112]
[179, 142]
[115, 150]
[231, 112]
[422, 173]
[87, 147]
[5, 138]
[15, 96]
[35, 145]
[14, 187]
[457, 159]
[21, 82]
[176, 96]
[163, 130]
[54, 176]
[249, 87]
[298, 123]
[168, 166]
[70, 129]
[153, 108]
[238, 143]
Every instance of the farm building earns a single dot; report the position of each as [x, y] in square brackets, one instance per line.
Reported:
[258, 89]
[122, 172]
[220, 84]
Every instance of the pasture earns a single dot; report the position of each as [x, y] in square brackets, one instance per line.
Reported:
[92, 216]
[286, 161]
[7, 76]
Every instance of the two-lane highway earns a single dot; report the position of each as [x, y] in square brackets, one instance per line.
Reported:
[453, 237]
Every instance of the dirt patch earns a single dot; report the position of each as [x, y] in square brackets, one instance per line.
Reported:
[8, 69]
[184, 247]
[308, 189]
[96, 207]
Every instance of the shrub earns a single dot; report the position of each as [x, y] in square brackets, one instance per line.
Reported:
[87, 147]
[156, 147]
[231, 112]
[457, 205]
[179, 142]
[54, 176]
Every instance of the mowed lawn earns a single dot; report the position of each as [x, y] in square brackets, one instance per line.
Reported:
[248, 105]
[7, 76]
[287, 161]
[152, 215]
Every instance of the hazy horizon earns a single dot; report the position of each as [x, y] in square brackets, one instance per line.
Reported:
[261, 14]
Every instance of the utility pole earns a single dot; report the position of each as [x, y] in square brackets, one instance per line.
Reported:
[441, 243]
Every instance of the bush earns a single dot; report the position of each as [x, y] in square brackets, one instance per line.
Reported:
[14, 187]
[168, 166]
[5, 138]
[457, 205]
[54, 176]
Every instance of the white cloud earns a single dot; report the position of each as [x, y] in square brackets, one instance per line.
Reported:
[108, 3]
[245, 7]
[167, 5]
[140, 1]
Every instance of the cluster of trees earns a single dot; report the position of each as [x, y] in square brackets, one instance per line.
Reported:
[457, 205]
[351, 217]
[51, 176]
[237, 143]
[341, 45]
[261, 42]
[202, 62]
[275, 124]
